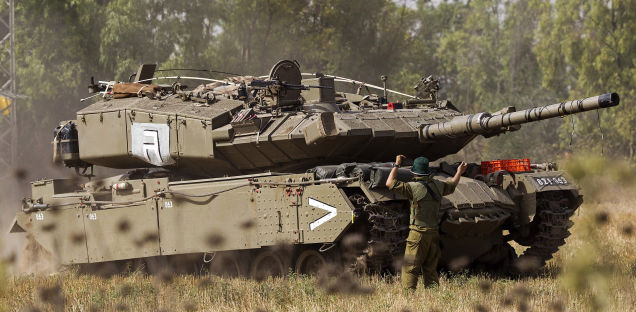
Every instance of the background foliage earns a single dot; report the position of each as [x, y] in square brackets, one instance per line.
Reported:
[488, 53]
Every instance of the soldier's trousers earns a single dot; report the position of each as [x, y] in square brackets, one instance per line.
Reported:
[420, 257]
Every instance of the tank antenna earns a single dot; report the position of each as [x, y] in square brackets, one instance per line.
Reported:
[384, 78]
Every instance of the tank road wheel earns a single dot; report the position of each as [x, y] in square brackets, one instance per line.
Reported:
[227, 264]
[267, 263]
[309, 262]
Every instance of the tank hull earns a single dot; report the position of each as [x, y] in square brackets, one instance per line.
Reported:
[142, 218]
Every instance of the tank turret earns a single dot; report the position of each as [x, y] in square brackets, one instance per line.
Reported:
[248, 124]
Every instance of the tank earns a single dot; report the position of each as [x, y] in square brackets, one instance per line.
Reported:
[260, 175]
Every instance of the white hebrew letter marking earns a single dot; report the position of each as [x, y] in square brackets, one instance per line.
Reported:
[152, 146]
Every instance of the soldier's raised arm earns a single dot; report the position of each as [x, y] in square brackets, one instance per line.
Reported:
[396, 185]
[398, 163]
[460, 170]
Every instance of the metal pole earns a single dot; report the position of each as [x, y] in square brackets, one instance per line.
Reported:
[9, 152]
[14, 107]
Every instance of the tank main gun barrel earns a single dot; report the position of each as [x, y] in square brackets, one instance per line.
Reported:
[485, 123]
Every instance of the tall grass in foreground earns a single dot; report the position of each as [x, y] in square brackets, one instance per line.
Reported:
[595, 270]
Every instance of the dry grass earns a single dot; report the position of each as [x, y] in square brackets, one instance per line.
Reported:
[595, 270]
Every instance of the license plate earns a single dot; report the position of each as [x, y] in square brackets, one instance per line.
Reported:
[547, 181]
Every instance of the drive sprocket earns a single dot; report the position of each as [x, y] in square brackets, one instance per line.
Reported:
[551, 228]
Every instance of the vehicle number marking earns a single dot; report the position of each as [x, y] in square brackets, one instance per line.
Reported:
[168, 204]
[332, 212]
[92, 216]
[39, 216]
[548, 181]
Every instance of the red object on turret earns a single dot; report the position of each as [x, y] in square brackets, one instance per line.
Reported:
[512, 165]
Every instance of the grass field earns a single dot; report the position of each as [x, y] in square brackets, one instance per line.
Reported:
[595, 270]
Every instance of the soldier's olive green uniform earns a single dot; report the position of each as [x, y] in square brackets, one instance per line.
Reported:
[422, 245]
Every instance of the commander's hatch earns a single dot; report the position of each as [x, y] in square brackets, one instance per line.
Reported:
[145, 73]
[288, 72]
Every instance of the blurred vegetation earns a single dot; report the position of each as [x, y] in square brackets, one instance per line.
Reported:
[600, 253]
[488, 53]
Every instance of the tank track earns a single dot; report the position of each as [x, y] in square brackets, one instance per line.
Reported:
[388, 229]
[554, 210]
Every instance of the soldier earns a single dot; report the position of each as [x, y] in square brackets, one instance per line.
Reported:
[422, 245]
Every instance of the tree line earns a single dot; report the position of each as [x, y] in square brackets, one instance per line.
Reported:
[488, 54]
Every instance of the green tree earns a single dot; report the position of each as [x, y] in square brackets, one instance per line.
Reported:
[596, 50]
[57, 48]
[133, 33]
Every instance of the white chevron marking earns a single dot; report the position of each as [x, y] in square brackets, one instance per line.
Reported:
[332, 212]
